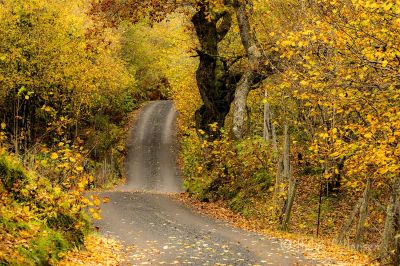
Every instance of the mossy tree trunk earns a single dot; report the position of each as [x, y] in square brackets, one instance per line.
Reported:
[213, 79]
[219, 86]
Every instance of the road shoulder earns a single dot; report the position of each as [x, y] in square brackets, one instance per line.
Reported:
[322, 250]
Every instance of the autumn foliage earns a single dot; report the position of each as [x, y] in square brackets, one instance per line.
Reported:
[64, 96]
[330, 120]
[38, 220]
[309, 141]
[292, 117]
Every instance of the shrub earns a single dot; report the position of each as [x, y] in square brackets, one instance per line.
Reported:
[38, 220]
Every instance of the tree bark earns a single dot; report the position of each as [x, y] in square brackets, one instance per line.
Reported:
[212, 74]
[363, 215]
[390, 245]
[388, 232]
[278, 190]
[346, 227]
[396, 255]
[254, 55]
[321, 188]
[267, 119]
[274, 138]
[279, 184]
[287, 175]
[242, 91]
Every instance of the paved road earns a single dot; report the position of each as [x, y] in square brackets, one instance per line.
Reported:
[164, 231]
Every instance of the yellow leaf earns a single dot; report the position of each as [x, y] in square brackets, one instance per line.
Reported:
[368, 135]
[336, 171]
[54, 156]
[57, 191]
[95, 215]
[304, 83]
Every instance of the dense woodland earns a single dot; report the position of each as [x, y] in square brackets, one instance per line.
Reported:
[289, 113]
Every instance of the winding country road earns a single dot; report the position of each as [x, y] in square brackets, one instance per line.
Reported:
[163, 230]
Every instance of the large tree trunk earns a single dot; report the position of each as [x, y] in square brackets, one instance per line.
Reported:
[212, 74]
[242, 91]
[248, 79]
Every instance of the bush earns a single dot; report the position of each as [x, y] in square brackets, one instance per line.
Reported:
[224, 169]
[38, 219]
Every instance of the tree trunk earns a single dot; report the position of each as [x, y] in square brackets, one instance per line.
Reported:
[396, 255]
[267, 119]
[321, 187]
[346, 227]
[241, 93]
[289, 205]
[390, 245]
[286, 153]
[287, 175]
[363, 216]
[274, 138]
[388, 232]
[16, 126]
[212, 74]
[278, 190]
[279, 183]
[249, 42]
